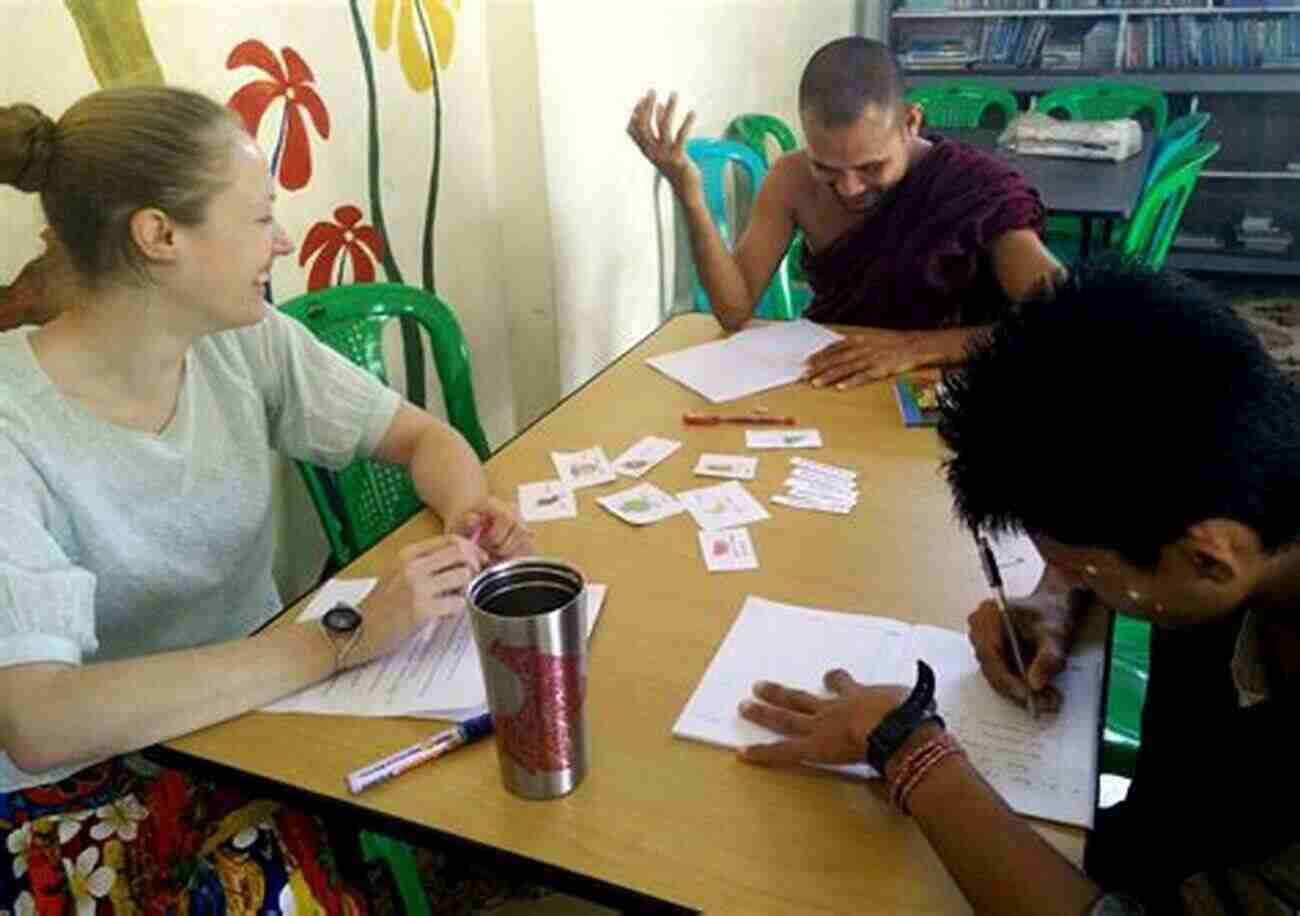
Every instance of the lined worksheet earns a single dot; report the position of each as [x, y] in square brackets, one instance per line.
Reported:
[1045, 768]
[435, 674]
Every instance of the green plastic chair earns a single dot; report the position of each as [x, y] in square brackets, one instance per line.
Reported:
[1130, 661]
[1147, 239]
[754, 130]
[361, 503]
[1181, 134]
[1102, 101]
[713, 158]
[1097, 101]
[959, 103]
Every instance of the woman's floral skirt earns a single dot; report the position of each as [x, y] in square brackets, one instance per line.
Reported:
[129, 837]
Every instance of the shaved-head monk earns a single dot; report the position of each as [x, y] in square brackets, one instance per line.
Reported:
[920, 241]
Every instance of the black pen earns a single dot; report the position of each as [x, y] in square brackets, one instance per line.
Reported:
[994, 578]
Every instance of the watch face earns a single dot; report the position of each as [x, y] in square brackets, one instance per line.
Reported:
[341, 619]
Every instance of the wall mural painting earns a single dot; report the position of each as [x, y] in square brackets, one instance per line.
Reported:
[117, 46]
[360, 246]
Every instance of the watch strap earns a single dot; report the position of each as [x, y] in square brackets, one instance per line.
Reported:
[895, 728]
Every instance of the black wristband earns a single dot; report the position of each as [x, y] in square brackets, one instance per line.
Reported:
[919, 707]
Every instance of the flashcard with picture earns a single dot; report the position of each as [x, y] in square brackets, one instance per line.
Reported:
[736, 467]
[586, 468]
[783, 438]
[727, 505]
[728, 551]
[641, 505]
[644, 455]
[546, 500]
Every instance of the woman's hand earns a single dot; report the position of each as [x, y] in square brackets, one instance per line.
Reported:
[495, 527]
[427, 582]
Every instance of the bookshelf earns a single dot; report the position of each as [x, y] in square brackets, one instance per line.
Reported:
[1237, 59]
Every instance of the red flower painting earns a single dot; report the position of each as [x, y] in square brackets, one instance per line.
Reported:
[362, 245]
[291, 157]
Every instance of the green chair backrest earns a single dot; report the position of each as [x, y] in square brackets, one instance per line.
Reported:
[1102, 101]
[959, 103]
[754, 130]
[713, 157]
[364, 501]
[1178, 136]
[1130, 663]
[1151, 230]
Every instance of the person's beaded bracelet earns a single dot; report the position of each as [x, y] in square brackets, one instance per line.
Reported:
[917, 765]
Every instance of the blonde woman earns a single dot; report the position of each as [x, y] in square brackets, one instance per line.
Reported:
[135, 537]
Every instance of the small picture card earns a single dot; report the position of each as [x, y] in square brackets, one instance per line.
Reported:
[813, 494]
[805, 478]
[728, 551]
[737, 467]
[586, 468]
[816, 505]
[644, 455]
[727, 505]
[546, 500]
[783, 438]
[641, 505]
[820, 467]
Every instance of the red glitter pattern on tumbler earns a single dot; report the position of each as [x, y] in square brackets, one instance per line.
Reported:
[539, 735]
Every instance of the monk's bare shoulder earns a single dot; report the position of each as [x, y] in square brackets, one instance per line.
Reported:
[810, 204]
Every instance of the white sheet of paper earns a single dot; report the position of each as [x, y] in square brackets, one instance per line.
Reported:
[821, 467]
[586, 468]
[729, 550]
[644, 455]
[737, 467]
[1044, 768]
[727, 505]
[437, 672]
[783, 438]
[753, 360]
[641, 505]
[546, 500]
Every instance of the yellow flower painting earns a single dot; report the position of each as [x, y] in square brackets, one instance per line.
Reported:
[436, 19]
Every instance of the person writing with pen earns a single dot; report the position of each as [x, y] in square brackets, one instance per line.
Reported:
[1166, 486]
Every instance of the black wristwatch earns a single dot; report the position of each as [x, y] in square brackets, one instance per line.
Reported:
[919, 707]
[342, 625]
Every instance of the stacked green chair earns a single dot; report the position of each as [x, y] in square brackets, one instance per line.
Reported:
[754, 130]
[1097, 101]
[1149, 234]
[960, 103]
[1103, 101]
[361, 503]
[1181, 134]
[713, 158]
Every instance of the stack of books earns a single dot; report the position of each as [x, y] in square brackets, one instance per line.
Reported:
[938, 53]
[1259, 234]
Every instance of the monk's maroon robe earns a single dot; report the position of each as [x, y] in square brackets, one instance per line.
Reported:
[920, 258]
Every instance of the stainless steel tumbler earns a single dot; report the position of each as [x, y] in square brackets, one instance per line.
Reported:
[530, 625]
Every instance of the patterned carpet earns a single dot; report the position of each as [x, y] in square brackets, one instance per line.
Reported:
[1277, 321]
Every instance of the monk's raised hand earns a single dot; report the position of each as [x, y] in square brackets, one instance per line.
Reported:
[868, 356]
[651, 129]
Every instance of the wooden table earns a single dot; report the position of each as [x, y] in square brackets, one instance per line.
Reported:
[1086, 188]
[658, 820]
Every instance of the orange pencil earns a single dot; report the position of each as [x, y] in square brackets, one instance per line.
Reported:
[745, 419]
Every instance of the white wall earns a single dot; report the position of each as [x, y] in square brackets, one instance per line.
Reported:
[724, 57]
